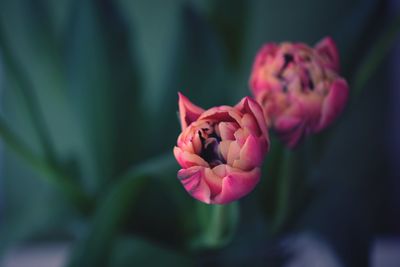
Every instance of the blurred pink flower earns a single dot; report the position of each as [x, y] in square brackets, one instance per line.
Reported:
[298, 87]
[221, 150]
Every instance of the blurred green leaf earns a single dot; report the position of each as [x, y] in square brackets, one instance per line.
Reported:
[155, 37]
[104, 88]
[47, 171]
[230, 25]
[112, 212]
[28, 92]
[35, 66]
[96, 247]
[375, 57]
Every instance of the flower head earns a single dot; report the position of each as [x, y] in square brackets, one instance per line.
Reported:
[220, 150]
[298, 87]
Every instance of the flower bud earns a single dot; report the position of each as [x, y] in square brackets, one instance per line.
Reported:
[298, 87]
[221, 150]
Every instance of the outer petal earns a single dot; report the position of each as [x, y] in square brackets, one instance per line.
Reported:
[237, 184]
[287, 123]
[192, 180]
[334, 103]
[213, 181]
[248, 105]
[327, 49]
[256, 83]
[187, 160]
[251, 155]
[188, 112]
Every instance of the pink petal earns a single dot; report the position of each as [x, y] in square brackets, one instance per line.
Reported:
[213, 181]
[251, 155]
[220, 170]
[187, 160]
[220, 113]
[248, 105]
[226, 130]
[250, 123]
[334, 103]
[236, 185]
[256, 83]
[327, 49]
[241, 136]
[188, 112]
[193, 182]
[284, 124]
[224, 148]
[233, 152]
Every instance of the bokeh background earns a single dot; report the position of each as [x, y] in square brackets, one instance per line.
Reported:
[88, 123]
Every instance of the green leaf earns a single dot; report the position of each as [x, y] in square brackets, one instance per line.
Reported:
[16, 71]
[113, 209]
[376, 55]
[47, 171]
[104, 88]
[112, 212]
[155, 37]
[35, 73]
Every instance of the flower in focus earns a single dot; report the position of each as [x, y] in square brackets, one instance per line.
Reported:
[221, 150]
[298, 87]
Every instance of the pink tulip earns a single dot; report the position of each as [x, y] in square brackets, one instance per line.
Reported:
[298, 87]
[221, 150]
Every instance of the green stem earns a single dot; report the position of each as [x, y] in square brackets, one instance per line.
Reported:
[217, 225]
[376, 56]
[283, 204]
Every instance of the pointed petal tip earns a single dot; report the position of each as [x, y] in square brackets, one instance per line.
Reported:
[188, 112]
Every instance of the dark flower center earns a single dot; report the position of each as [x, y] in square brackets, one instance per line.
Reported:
[210, 142]
[306, 84]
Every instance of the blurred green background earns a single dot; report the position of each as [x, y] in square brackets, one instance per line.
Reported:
[88, 122]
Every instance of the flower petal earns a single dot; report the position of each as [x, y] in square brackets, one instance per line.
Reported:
[187, 160]
[213, 181]
[250, 106]
[193, 182]
[327, 49]
[226, 130]
[251, 155]
[237, 184]
[224, 148]
[334, 103]
[233, 152]
[188, 112]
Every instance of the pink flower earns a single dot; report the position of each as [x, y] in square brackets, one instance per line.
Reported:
[298, 87]
[221, 150]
